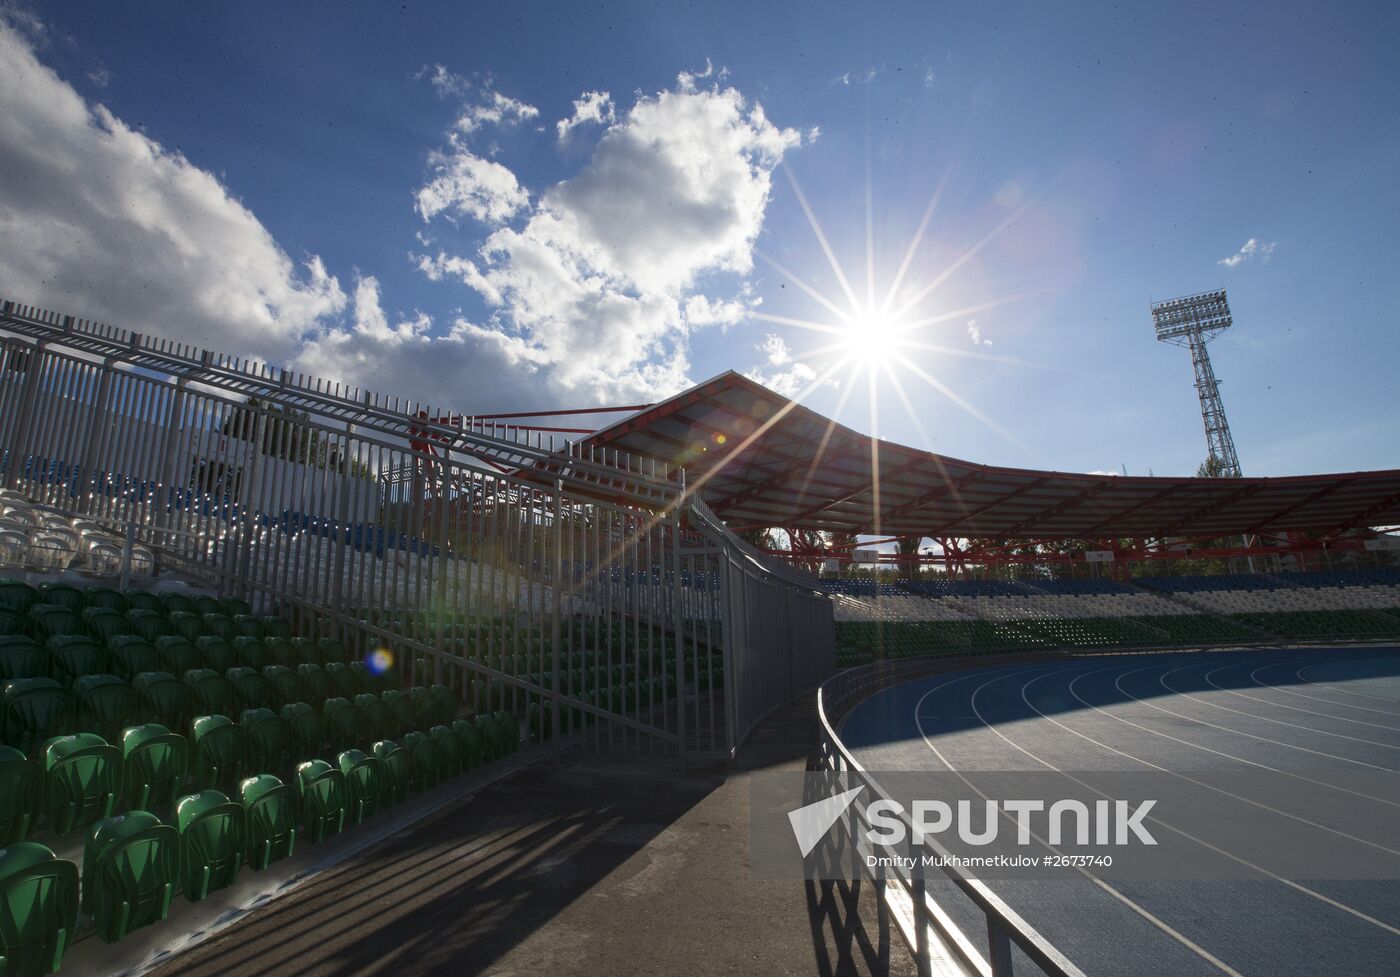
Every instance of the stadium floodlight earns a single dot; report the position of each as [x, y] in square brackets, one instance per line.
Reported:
[1193, 321]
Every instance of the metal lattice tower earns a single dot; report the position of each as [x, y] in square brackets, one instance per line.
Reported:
[1193, 321]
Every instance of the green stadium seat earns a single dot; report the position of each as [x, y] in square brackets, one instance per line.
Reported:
[106, 597]
[71, 655]
[271, 743]
[204, 604]
[452, 752]
[35, 711]
[62, 595]
[220, 626]
[220, 751]
[216, 653]
[249, 626]
[275, 627]
[210, 692]
[106, 704]
[154, 762]
[425, 762]
[38, 909]
[280, 652]
[315, 683]
[213, 838]
[285, 684]
[345, 724]
[234, 607]
[177, 654]
[132, 655]
[11, 622]
[187, 625]
[142, 600]
[163, 696]
[323, 798]
[52, 621]
[251, 689]
[21, 657]
[344, 682]
[362, 785]
[172, 602]
[331, 650]
[401, 709]
[308, 727]
[21, 789]
[271, 807]
[473, 743]
[17, 595]
[148, 624]
[306, 651]
[82, 780]
[131, 866]
[104, 623]
[395, 770]
[250, 652]
[378, 720]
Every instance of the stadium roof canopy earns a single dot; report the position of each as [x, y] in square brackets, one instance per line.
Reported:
[761, 460]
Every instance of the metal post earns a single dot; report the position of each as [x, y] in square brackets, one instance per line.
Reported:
[998, 947]
[19, 453]
[557, 571]
[677, 618]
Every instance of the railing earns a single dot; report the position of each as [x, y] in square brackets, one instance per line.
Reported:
[930, 932]
[583, 592]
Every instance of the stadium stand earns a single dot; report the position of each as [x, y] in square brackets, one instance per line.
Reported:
[913, 618]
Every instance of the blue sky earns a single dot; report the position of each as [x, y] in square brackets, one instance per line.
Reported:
[497, 208]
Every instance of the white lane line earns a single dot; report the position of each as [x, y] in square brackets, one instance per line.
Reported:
[1297, 887]
[1162, 680]
[1303, 695]
[1142, 911]
[1223, 729]
[1338, 688]
[1230, 756]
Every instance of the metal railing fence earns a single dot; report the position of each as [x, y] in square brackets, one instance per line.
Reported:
[582, 592]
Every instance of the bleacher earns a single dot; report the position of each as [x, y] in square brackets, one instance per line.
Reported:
[921, 617]
[183, 739]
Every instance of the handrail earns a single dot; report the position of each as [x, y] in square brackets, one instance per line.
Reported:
[344, 405]
[1004, 925]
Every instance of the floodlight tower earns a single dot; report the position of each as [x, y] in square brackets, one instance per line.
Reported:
[1193, 321]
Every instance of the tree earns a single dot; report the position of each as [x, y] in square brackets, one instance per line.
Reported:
[761, 539]
[908, 546]
[1212, 467]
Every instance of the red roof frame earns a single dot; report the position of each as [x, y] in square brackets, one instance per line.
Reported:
[759, 459]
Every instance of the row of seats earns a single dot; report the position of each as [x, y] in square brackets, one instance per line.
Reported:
[78, 778]
[134, 864]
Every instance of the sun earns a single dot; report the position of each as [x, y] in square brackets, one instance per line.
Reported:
[872, 335]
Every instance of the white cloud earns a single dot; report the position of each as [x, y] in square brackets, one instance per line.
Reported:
[444, 266]
[481, 103]
[855, 77]
[590, 107]
[593, 285]
[1248, 250]
[974, 333]
[596, 291]
[788, 376]
[776, 349]
[101, 220]
[466, 185]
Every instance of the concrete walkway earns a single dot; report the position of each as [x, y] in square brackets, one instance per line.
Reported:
[600, 865]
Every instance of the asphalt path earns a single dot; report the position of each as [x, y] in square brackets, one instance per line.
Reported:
[1307, 713]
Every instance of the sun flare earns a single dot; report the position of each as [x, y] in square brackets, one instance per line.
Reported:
[872, 335]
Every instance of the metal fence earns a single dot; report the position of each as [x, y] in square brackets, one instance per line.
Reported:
[938, 944]
[583, 592]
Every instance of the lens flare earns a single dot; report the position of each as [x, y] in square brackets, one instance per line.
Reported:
[380, 660]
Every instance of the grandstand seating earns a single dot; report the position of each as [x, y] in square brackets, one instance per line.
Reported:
[922, 617]
[91, 714]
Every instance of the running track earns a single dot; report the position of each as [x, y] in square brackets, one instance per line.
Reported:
[1296, 710]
